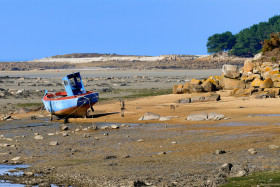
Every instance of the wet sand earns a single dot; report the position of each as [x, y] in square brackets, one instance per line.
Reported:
[176, 152]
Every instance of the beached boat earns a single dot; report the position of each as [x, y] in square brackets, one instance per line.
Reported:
[74, 102]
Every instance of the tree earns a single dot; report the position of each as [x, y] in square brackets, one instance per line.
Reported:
[220, 42]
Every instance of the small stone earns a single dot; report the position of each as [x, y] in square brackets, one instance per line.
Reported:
[252, 151]
[104, 127]
[38, 137]
[218, 152]
[94, 127]
[114, 126]
[226, 167]
[123, 125]
[64, 134]
[273, 147]
[54, 143]
[93, 143]
[15, 158]
[29, 173]
[64, 127]
[9, 139]
[77, 129]
[140, 140]
[96, 138]
[174, 142]
[36, 134]
[161, 153]
[51, 134]
[106, 134]
[85, 129]
[86, 136]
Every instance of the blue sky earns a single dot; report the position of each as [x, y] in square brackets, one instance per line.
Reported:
[40, 28]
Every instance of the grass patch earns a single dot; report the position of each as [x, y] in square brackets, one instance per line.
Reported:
[29, 105]
[136, 93]
[267, 178]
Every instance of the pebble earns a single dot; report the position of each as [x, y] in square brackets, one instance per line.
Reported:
[174, 142]
[38, 137]
[273, 147]
[106, 134]
[86, 136]
[51, 134]
[85, 129]
[15, 158]
[140, 140]
[65, 134]
[161, 153]
[104, 127]
[114, 126]
[64, 127]
[252, 151]
[96, 138]
[218, 152]
[54, 143]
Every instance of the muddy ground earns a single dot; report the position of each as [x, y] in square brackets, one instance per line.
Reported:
[152, 153]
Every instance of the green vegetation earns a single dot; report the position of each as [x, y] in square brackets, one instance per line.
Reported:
[136, 93]
[29, 105]
[265, 178]
[221, 42]
[272, 43]
[248, 41]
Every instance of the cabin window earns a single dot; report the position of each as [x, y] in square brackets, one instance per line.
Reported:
[78, 80]
[72, 82]
[66, 83]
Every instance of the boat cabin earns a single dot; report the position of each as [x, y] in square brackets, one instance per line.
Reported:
[73, 84]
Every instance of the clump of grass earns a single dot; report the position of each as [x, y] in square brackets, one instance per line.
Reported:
[260, 178]
[29, 105]
[137, 93]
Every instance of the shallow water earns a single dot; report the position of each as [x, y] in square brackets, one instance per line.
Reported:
[4, 169]
[263, 115]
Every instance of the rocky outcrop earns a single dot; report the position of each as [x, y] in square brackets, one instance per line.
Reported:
[256, 76]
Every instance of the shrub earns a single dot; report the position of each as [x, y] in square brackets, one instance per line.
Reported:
[272, 43]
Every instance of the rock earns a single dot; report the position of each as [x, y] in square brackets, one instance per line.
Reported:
[86, 135]
[149, 116]
[64, 127]
[140, 140]
[104, 127]
[4, 145]
[219, 152]
[164, 118]
[175, 89]
[51, 134]
[252, 151]
[28, 173]
[54, 143]
[114, 127]
[94, 127]
[174, 142]
[161, 153]
[267, 83]
[64, 134]
[208, 86]
[230, 71]
[197, 117]
[230, 84]
[195, 82]
[258, 56]
[239, 171]
[186, 88]
[15, 158]
[106, 134]
[196, 88]
[256, 82]
[179, 89]
[273, 147]
[110, 157]
[185, 100]
[248, 66]
[215, 116]
[38, 137]
[226, 167]
[96, 138]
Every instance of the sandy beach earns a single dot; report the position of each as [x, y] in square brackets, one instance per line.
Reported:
[175, 152]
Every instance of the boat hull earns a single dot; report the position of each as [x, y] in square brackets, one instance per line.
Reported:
[76, 106]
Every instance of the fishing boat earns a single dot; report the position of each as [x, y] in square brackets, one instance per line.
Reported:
[74, 102]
